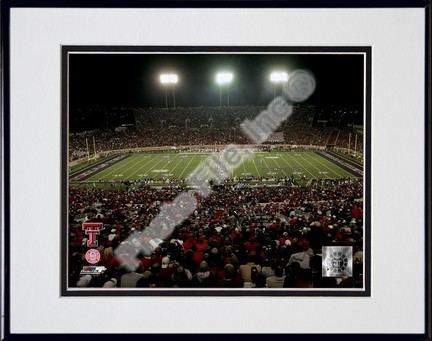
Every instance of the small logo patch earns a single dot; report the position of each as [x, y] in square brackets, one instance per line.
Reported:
[93, 256]
[337, 261]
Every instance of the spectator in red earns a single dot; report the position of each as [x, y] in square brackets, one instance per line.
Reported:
[356, 212]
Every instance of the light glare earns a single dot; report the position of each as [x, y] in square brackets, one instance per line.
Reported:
[224, 77]
[279, 77]
[168, 79]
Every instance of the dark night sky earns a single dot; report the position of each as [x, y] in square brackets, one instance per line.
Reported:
[132, 80]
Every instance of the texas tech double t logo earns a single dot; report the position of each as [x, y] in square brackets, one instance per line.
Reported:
[92, 230]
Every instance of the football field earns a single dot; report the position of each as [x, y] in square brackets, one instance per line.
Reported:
[162, 166]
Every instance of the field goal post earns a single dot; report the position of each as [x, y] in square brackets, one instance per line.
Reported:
[94, 156]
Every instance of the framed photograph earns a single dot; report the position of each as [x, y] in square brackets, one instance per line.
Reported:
[216, 158]
[263, 176]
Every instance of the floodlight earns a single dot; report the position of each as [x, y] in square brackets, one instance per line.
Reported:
[224, 77]
[168, 79]
[279, 77]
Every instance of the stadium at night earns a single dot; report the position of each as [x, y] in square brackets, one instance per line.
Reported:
[140, 125]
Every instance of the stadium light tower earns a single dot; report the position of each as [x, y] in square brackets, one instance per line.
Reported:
[169, 79]
[223, 78]
[278, 77]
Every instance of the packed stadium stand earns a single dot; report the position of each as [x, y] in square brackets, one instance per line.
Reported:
[237, 237]
[230, 231]
[209, 126]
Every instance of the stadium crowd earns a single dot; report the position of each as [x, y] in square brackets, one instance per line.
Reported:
[261, 237]
[201, 126]
[238, 236]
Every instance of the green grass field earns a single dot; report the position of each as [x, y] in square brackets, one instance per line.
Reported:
[180, 165]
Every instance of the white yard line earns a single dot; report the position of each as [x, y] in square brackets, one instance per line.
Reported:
[319, 157]
[271, 175]
[300, 165]
[181, 159]
[115, 169]
[258, 172]
[145, 164]
[135, 166]
[320, 170]
[288, 164]
[275, 160]
[193, 157]
[154, 166]
[244, 167]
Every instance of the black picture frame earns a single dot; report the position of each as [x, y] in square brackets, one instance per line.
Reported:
[7, 6]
